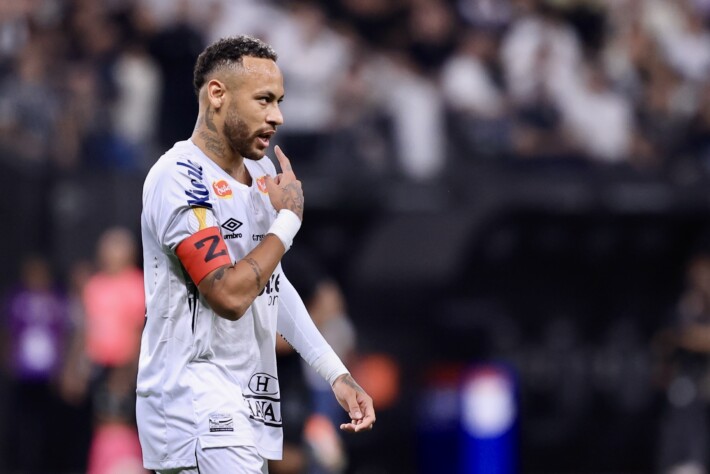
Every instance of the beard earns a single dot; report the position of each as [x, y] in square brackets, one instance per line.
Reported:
[239, 138]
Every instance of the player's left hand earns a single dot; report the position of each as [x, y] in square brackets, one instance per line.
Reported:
[356, 402]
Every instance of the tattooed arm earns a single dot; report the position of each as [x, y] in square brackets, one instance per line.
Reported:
[231, 289]
[356, 402]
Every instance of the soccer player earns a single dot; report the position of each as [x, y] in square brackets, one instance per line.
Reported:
[216, 221]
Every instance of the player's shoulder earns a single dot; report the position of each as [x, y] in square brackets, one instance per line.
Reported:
[181, 166]
[178, 174]
[182, 157]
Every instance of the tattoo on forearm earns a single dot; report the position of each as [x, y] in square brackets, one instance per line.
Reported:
[219, 274]
[257, 271]
[293, 198]
[216, 276]
[348, 380]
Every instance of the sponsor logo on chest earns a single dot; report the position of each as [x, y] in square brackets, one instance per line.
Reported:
[261, 184]
[222, 189]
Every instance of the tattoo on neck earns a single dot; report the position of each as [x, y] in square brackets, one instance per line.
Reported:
[257, 271]
[213, 143]
[200, 121]
[209, 119]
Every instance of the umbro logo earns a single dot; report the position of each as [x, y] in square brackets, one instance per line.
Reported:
[231, 225]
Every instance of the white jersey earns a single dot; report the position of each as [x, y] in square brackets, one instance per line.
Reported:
[203, 378]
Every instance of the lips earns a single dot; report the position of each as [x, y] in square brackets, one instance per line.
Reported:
[265, 137]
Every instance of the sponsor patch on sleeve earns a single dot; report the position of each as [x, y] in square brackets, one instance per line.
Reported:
[198, 195]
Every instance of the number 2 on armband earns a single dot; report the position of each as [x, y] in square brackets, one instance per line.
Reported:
[211, 253]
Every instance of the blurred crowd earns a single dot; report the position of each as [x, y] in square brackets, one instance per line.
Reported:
[397, 88]
[70, 348]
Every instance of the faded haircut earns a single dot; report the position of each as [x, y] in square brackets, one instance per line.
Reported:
[227, 51]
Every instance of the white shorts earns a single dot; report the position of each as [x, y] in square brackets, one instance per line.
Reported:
[232, 459]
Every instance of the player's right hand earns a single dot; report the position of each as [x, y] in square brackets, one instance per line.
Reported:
[285, 190]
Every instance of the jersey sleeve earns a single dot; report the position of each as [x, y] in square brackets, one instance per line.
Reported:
[178, 202]
[296, 326]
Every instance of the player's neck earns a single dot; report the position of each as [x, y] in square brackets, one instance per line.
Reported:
[214, 146]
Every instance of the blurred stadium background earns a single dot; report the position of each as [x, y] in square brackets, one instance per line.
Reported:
[512, 191]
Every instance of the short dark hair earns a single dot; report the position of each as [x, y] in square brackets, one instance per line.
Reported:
[226, 51]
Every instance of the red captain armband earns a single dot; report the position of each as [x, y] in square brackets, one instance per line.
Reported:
[202, 253]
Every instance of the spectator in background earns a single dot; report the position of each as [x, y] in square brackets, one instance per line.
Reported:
[314, 61]
[95, 43]
[688, 49]
[135, 109]
[77, 367]
[379, 22]
[697, 140]
[360, 135]
[415, 108]
[599, 122]
[665, 111]
[14, 24]
[29, 109]
[485, 13]
[231, 17]
[114, 308]
[684, 348]
[432, 34]
[312, 444]
[80, 107]
[75, 374]
[35, 328]
[478, 106]
[627, 47]
[467, 78]
[538, 53]
[175, 48]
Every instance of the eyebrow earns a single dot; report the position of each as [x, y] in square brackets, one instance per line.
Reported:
[269, 94]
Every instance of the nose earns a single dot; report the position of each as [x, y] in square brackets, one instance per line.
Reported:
[275, 117]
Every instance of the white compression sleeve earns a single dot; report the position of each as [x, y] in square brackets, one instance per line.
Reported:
[295, 324]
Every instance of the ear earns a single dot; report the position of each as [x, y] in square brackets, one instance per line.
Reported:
[216, 93]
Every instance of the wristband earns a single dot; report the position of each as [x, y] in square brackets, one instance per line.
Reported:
[329, 366]
[285, 227]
